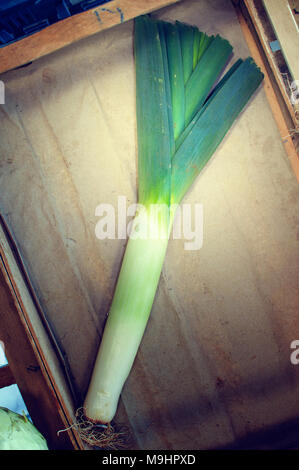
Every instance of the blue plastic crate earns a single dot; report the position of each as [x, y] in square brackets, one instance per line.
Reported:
[20, 18]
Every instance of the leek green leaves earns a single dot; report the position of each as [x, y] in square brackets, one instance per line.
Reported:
[183, 109]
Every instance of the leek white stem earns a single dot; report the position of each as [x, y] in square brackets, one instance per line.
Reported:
[135, 291]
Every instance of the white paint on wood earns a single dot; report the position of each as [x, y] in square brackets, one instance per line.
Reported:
[287, 32]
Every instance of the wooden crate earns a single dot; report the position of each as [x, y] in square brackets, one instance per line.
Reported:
[214, 369]
[73, 29]
[282, 63]
[32, 352]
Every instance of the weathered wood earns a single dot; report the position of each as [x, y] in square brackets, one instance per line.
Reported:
[287, 32]
[276, 106]
[257, 20]
[26, 357]
[73, 29]
[294, 4]
[6, 377]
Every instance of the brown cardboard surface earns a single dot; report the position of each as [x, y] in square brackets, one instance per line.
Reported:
[214, 364]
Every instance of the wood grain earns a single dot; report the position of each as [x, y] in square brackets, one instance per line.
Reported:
[73, 29]
[6, 377]
[28, 364]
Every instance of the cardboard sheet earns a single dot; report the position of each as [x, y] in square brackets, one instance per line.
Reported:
[214, 365]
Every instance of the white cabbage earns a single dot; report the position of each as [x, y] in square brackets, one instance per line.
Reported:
[18, 433]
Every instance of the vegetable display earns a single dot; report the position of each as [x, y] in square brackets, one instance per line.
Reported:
[183, 113]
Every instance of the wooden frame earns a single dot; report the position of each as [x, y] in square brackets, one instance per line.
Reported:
[260, 22]
[274, 92]
[6, 377]
[74, 28]
[286, 29]
[30, 357]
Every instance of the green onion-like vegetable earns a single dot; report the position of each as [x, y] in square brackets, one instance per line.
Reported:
[18, 433]
[182, 116]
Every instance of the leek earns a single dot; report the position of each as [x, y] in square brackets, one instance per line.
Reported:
[182, 116]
